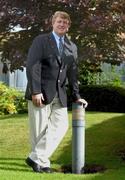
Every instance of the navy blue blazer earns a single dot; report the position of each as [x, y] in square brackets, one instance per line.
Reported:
[47, 71]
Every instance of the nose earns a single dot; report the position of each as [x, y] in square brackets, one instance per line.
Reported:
[62, 23]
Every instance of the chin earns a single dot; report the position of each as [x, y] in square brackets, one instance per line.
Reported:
[62, 33]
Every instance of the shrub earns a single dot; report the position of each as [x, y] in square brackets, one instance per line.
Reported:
[104, 98]
[11, 100]
[21, 104]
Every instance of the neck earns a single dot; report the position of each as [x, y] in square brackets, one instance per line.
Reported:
[59, 35]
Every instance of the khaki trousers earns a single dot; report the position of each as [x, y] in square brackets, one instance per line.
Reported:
[48, 126]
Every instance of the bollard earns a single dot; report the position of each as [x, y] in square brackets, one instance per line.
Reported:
[78, 138]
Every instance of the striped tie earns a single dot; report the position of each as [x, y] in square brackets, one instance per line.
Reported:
[60, 46]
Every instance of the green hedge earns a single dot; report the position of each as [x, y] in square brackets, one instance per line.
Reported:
[104, 98]
[11, 100]
[100, 98]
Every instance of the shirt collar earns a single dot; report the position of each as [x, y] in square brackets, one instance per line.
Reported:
[57, 37]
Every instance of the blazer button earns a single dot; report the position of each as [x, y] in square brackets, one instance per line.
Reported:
[60, 70]
[58, 81]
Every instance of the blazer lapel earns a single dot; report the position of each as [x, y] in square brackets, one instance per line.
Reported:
[54, 47]
[67, 49]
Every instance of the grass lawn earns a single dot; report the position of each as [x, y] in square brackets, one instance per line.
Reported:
[105, 141]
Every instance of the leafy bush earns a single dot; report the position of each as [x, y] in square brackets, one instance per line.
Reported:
[104, 98]
[21, 104]
[11, 100]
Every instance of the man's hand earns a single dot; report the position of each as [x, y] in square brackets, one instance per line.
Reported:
[38, 100]
[83, 102]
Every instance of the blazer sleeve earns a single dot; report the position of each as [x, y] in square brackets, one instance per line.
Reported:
[72, 74]
[33, 66]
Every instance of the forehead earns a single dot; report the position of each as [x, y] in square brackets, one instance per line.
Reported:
[61, 18]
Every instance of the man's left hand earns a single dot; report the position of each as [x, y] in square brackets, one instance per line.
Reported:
[82, 101]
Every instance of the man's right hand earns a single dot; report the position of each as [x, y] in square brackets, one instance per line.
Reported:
[38, 100]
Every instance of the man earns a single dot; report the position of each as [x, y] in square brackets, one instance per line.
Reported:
[51, 60]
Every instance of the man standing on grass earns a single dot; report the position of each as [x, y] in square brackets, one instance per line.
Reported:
[51, 60]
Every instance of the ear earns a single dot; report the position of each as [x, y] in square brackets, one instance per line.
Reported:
[68, 28]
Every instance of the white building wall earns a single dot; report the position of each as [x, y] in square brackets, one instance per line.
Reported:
[16, 79]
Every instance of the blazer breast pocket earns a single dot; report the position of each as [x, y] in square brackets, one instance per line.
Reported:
[68, 59]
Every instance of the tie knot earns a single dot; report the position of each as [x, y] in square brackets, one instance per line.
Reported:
[60, 38]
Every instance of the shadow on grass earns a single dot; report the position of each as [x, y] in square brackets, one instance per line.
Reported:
[103, 143]
[16, 169]
[14, 164]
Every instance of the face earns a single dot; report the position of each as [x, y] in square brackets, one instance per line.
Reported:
[60, 26]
